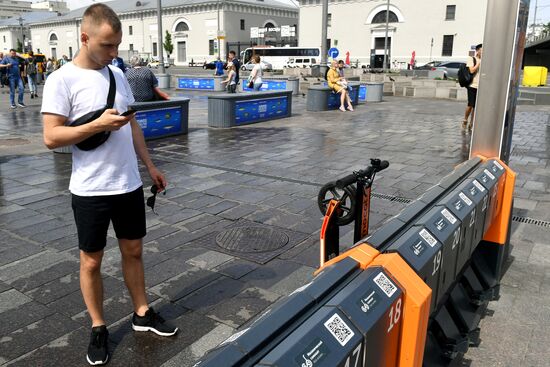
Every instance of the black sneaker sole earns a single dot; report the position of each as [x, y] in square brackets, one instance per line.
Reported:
[97, 363]
[148, 328]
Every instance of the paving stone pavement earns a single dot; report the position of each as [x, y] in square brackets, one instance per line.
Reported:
[267, 174]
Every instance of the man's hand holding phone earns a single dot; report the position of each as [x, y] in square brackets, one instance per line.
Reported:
[111, 120]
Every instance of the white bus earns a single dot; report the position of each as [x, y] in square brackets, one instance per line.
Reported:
[278, 57]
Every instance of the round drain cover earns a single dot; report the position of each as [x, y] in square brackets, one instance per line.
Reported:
[251, 239]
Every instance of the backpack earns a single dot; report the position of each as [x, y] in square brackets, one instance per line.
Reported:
[465, 78]
[31, 67]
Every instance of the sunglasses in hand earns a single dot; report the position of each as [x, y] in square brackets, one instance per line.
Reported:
[151, 200]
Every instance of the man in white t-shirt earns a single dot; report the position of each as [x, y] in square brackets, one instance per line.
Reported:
[105, 181]
[472, 88]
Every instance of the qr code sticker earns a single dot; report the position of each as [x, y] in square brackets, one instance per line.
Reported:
[339, 329]
[382, 281]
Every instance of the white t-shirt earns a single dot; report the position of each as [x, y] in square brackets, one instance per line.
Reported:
[470, 63]
[111, 168]
[258, 77]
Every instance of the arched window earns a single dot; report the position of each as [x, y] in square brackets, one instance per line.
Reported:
[53, 37]
[381, 17]
[182, 27]
[269, 25]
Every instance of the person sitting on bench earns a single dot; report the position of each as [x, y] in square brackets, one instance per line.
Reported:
[338, 85]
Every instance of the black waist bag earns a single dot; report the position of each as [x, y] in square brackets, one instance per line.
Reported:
[96, 140]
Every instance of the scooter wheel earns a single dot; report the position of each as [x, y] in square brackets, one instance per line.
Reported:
[345, 196]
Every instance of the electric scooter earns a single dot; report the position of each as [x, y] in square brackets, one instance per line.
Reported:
[341, 203]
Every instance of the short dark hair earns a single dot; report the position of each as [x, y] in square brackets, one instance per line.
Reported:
[232, 52]
[340, 61]
[479, 46]
[12, 50]
[98, 14]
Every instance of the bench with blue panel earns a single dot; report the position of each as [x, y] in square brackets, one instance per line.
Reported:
[275, 84]
[159, 119]
[323, 98]
[197, 82]
[235, 109]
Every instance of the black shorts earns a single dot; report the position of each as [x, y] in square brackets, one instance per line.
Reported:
[93, 214]
[472, 95]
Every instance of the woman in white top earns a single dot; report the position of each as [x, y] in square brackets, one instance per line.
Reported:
[231, 78]
[256, 74]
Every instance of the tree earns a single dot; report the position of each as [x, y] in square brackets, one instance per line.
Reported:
[168, 46]
[19, 46]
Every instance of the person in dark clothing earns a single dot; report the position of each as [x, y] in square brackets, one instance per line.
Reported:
[12, 65]
[143, 82]
[236, 63]
[119, 63]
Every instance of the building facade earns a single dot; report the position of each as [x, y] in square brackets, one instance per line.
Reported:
[14, 8]
[15, 31]
[434, 30]
[196, 27]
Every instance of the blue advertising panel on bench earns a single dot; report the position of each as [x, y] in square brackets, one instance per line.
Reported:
[162, 122]
[255, 110]
[363, 92]
[162, 118]
[268, 85]
[196, 83]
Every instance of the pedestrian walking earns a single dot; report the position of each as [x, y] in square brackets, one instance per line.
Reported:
[231, 84]
[255, 77]
[473, 65]
[143, 83]
[232, 58]
[11, 63]
[31, 71]
[63, 60]
[105, 182]
[50, 67]
[119, 63]
[219, 67]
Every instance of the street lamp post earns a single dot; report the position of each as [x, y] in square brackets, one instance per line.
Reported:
[386, 38]
[20, 19]
[324, 51]
[160, 45]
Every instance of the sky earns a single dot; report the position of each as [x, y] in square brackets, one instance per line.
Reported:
[543, 8]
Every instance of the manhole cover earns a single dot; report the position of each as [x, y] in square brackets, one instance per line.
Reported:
[251, 239]
[10, 142]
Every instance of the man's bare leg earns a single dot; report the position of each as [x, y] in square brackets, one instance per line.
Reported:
[132, 269]
[91, 285]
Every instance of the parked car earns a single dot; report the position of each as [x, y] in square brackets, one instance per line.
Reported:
[300, 62]
[212, 65]
[450, 68]
[155, 64]
[265, 66]
[428, 66]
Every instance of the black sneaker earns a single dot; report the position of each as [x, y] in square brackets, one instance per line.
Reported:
[13, 106]
[152, 321]
[97, 350]
[22, 105]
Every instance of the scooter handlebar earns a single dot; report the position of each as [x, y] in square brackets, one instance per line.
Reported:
[377, 166]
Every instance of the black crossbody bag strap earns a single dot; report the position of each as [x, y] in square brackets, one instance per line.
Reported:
[112, 89]
[96, 140]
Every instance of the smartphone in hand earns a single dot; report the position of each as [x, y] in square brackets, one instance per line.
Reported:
[128, 112]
